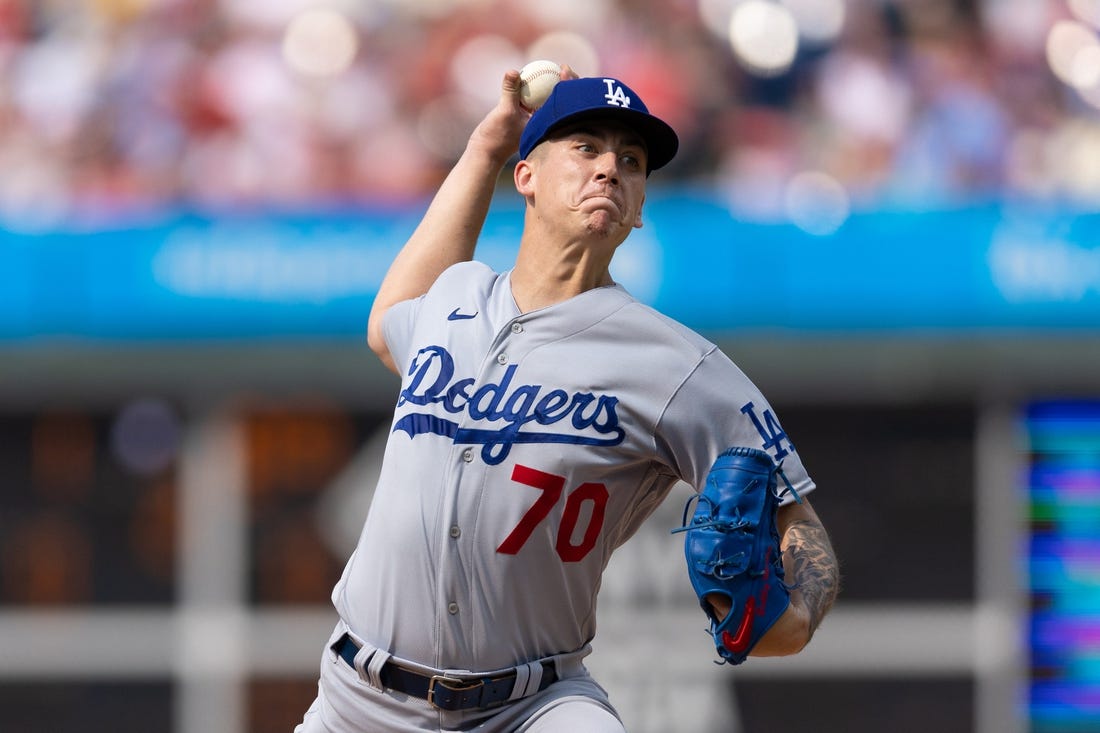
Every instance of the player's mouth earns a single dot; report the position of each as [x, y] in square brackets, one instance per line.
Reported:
[604, 196]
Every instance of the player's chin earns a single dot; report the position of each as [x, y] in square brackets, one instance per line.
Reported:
[608, 222]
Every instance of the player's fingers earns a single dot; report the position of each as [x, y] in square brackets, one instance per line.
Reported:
[510, 105]
[511, 81]
[510, 87]
[502, 127]
[568, 73]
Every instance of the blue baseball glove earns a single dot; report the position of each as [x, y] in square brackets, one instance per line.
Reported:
[732, 549]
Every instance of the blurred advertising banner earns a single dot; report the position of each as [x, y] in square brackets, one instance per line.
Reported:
[314, 274]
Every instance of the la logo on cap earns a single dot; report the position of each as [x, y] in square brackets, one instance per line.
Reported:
[603, 98]
[615, 94]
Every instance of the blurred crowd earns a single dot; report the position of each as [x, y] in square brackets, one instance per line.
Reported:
[117, 107]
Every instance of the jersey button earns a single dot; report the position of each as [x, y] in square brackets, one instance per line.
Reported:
[452, 608]
[468, 455]
[455, 532]
[517, 327]
[502, 359]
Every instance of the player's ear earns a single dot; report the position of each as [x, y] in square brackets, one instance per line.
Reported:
[638, 218]
[523, 176]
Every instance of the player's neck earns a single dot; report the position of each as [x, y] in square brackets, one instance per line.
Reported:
[541, 279]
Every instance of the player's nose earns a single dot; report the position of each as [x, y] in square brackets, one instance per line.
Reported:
[607, 167]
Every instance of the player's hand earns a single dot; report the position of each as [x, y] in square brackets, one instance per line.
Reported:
[498, 134]
[720, 603]
[787, 636]
[795, 627]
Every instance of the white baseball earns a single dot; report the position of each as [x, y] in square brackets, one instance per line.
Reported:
[537, 80]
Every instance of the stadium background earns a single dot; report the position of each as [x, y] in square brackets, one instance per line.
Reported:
[883, 210]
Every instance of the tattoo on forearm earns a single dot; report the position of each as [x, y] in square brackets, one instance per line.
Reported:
[811, 566]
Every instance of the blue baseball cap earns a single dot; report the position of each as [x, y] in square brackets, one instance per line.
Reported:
[600, 98]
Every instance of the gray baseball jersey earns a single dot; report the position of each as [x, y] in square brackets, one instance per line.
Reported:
[525, 448]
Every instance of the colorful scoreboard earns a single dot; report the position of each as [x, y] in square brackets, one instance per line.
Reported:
[1064, 566]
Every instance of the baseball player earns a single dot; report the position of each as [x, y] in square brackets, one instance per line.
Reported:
[543, 413]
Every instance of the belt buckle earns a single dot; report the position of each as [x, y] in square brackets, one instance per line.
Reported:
[453, 684]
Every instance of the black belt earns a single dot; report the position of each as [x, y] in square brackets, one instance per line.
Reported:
[446, 693]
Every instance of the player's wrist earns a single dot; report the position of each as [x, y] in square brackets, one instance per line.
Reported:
[497, 136]
[491, 153]
[788, 635]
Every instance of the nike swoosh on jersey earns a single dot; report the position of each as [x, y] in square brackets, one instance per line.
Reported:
[456, 316]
